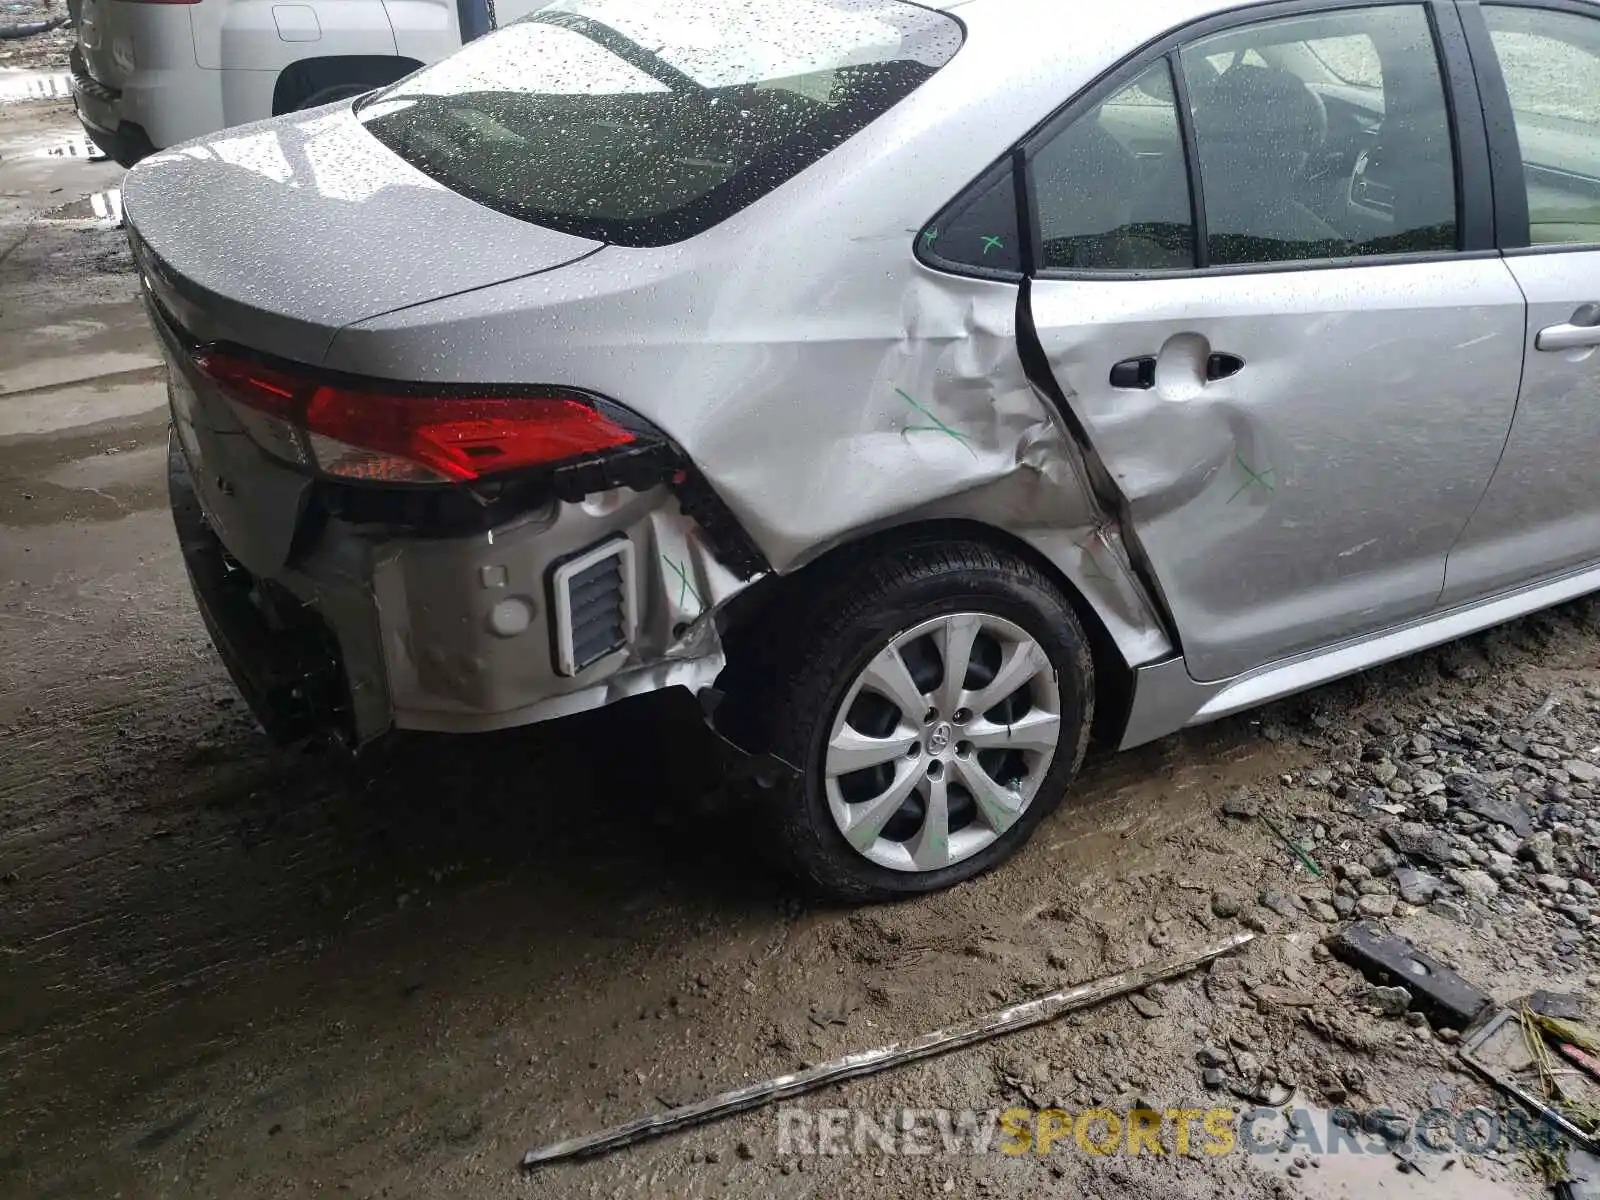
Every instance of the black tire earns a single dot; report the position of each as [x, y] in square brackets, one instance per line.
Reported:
[788, 703]
[337, 91]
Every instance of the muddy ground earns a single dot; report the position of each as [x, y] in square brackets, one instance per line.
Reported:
[229, 972]
[46, 51]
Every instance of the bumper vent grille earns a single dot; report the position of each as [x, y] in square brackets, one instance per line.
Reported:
[594, 605]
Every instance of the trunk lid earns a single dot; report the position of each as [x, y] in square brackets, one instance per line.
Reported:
[278, 234]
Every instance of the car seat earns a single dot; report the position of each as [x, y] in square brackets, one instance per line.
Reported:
[1258, 129]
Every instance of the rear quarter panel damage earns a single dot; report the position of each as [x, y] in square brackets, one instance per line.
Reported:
[452, 666]
[825, 383]
[814, 430]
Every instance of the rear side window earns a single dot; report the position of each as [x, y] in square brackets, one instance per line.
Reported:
[978, 233]
[643, 122]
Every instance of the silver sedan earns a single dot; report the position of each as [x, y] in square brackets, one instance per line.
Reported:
[930, 388]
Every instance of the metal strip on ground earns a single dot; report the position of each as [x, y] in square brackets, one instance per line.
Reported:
[868, 1062]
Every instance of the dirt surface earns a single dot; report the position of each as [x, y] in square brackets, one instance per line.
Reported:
[229, 972]
[46, 51]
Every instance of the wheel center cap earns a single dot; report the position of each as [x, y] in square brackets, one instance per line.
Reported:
[939, 739]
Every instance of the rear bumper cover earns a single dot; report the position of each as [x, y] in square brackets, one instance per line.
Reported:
[281, 655]
[360, 630]
[127, 144]
[125, 141]
[366, 633]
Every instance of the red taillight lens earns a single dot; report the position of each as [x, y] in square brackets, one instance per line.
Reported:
[276, 393]
[362, 434]
[467, 438]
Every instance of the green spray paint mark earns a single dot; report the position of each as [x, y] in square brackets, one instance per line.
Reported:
[1254, 478]
[992, 243]
[685, 588]
[938, 426]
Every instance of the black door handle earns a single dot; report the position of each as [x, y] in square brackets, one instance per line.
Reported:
[1222, 366]
[1135, 372]
[1141, 372]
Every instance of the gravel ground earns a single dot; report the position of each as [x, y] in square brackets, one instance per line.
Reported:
[231, 972]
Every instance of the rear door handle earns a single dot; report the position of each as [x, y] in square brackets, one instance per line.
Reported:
[1135, 372]
[1141, 372]
[1582, 330]
[1223, 366]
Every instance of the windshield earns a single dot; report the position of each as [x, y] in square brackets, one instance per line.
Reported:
[643, 122]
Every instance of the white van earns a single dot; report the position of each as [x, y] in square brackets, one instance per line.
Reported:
[148, 74]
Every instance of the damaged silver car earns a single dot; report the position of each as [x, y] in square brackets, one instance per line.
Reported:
[929, 388]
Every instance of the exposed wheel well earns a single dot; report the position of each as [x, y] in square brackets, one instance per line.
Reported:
[299, 81]
[767, 601]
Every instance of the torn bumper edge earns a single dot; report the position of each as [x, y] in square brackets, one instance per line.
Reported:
[450, 672]
[765, 770]
[282, 656]
[364, 636]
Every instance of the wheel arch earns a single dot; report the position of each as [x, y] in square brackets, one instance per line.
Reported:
[768, 599]
[306, 77]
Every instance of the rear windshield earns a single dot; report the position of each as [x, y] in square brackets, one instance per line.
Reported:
[643, 122]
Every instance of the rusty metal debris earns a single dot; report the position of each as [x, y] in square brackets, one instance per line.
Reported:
[868, 1062]
[1445, 996]
[1580, 1057]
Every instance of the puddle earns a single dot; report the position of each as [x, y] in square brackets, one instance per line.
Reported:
[102, 210]
[1356, 1177]
[107, 207]
[116, 467]
[21, 87]
[76, 146]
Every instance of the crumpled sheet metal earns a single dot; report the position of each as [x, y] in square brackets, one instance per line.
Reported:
[681, 585]
[685, 581]
[935, 418]
[1172, 451]
[955, 429]
[448, 670]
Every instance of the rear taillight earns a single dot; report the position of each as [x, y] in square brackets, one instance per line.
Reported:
[366, 432]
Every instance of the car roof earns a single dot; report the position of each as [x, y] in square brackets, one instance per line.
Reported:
[1068, 16]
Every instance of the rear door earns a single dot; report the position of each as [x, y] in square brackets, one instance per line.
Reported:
[1540, 70]
[1280, 324]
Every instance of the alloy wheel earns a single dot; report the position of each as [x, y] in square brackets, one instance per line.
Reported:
[941, 742]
